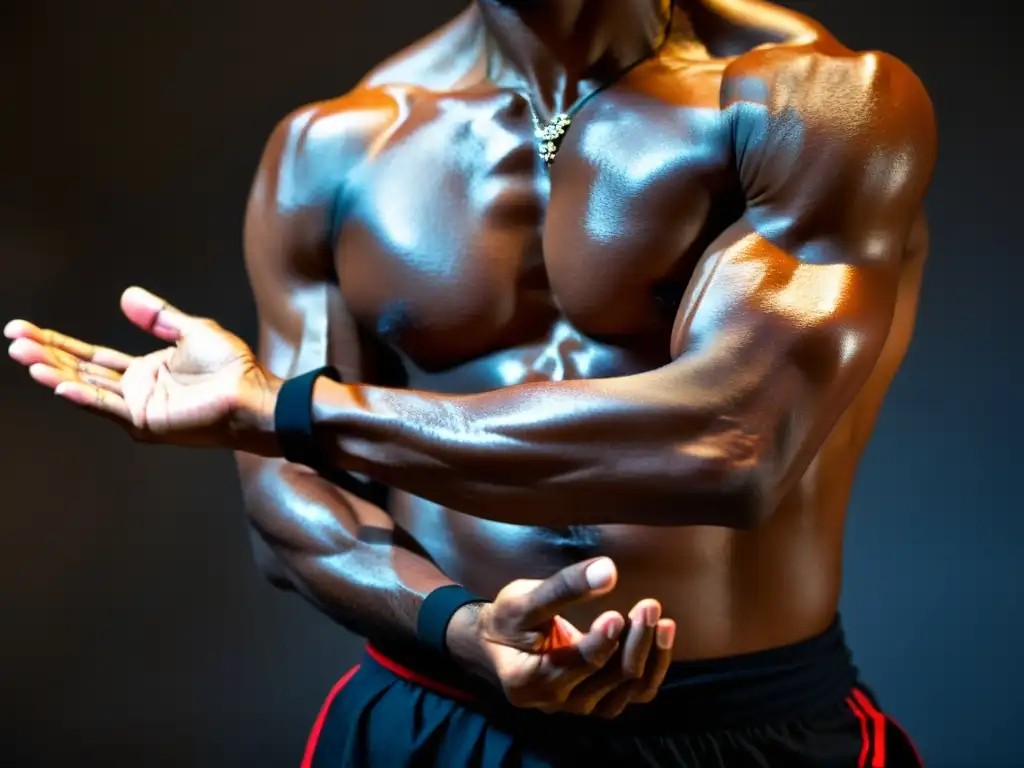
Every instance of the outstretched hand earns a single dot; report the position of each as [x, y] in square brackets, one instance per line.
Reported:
[203, 391]
[209, 390]
[544, 662]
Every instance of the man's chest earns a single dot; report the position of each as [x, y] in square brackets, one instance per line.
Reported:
[456, 241]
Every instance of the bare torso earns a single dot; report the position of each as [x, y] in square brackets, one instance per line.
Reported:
[472, 267]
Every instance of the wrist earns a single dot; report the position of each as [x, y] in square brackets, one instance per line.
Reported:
[252, 423]
[333, 404]
[465, 641]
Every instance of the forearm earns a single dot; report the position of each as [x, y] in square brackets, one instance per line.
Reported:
[623, 450]
[341, 553]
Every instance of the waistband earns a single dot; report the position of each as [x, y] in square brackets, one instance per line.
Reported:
[779, 684]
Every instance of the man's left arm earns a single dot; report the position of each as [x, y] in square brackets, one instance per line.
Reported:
[784, 320]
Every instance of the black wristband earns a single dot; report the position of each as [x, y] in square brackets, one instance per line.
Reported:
[436, 614]
[293, 417]
[293, 425]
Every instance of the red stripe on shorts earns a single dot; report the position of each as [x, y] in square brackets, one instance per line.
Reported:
[318, 726]
[415, 677]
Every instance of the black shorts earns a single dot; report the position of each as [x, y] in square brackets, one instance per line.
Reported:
[795, 706]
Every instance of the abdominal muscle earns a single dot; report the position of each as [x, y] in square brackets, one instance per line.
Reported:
[729, 591]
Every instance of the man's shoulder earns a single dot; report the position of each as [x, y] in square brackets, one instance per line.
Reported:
[820, 129]
[336, 128]
[826, 85]
[315, 147]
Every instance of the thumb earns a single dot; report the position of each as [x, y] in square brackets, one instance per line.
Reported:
[576, 583]
[155, 315]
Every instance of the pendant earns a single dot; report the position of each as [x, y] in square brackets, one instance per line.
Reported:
[550, 135]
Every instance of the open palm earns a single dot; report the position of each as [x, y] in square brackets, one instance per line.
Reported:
[186, 394]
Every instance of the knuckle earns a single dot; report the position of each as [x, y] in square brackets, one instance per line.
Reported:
[571, 583]
[555, 589]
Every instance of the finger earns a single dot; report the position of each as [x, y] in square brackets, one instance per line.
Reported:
[612, 704]
[30, 352]
[50, 377]
[657, 666]
[614, 682]
[103, 356]
[155, 315]
[140, 383]
[95, 399]
[643, 620]
[565, 667]
[588, 651]
[601, 641]
[575, 584]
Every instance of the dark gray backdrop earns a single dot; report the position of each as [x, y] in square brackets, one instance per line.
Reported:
[136, 630]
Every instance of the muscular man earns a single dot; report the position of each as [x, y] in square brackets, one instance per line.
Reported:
[659, 331]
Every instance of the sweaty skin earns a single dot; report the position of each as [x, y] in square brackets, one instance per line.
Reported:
[669, 348]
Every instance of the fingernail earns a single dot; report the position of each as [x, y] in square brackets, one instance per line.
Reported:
[651, 615]
[614, 628]
[666, 636]
[600, 573]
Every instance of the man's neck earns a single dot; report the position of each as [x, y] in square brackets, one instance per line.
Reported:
[548, 47]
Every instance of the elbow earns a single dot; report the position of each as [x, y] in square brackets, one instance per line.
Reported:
[726, 493]
[738, 475]
[254, 501]
[269, 565]
[746, 497]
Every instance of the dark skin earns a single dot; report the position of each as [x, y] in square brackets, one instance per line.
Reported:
[669, 348]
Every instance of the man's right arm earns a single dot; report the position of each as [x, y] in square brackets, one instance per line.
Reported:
[310, 535]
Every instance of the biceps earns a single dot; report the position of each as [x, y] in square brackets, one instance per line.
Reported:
[777, 343]
[748, 295]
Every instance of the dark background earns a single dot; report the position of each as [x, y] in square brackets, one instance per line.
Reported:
[136, 630]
